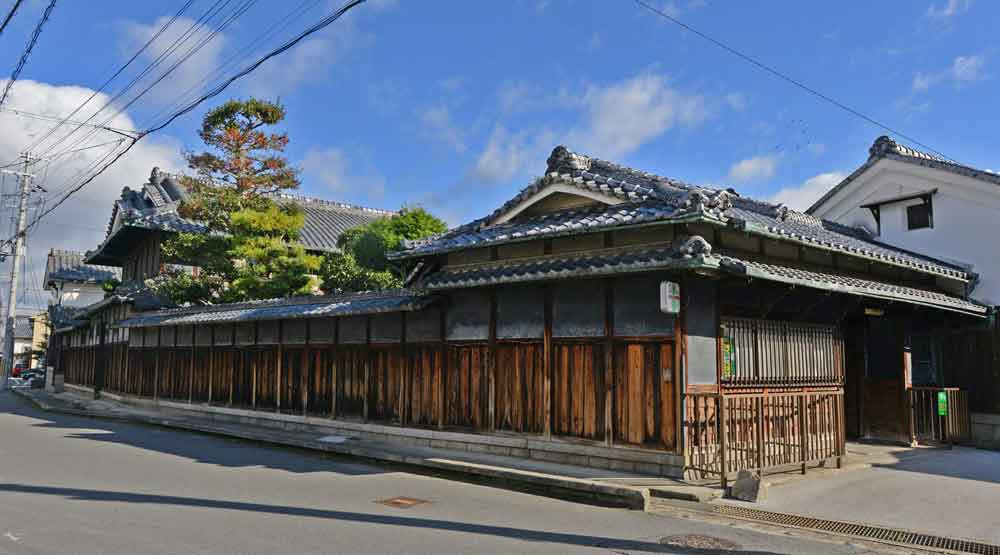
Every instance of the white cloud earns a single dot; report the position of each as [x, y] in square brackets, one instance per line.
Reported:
[968, 69]
[438, 125]
[801, 197]
[949, 9]
[621, 117]
[191, 71]
[753, 169]
[503, 158]
[80, 223]
[736, 101]
[333, 170]
[964, 70]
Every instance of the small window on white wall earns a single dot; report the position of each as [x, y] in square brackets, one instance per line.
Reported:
[919, 216]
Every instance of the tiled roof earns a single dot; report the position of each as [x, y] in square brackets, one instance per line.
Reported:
[659, 199]
[154, 207]
[586, 264]
[565, 222]
[686, 253]
[65, 265]
[280, 309]
[848, 284]
[327, 220]
[887, 148]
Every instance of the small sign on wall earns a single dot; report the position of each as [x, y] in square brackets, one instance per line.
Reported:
[670, 297]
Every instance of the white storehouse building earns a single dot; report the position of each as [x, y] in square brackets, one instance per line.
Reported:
[921, 202]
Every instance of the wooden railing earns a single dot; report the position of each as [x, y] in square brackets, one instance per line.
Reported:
[926, 422]
[767, 431]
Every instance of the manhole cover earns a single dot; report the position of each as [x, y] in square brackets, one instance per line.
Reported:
[697, 541]
[402, 502]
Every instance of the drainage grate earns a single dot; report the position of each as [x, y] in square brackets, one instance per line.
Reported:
[700, 542]
[402, 502]
[862, 530]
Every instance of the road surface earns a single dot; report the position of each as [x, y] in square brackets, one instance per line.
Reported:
[78, 485]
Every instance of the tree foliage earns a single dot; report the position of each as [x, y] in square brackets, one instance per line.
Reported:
[363, 265]
[371, 242]
[251, 249]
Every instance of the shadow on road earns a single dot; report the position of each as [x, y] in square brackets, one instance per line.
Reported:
[202, 448]
[616, 544]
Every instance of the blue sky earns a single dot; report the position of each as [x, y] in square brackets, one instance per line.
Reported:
[456, 105]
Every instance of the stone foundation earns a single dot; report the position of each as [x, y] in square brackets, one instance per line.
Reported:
[986, 430]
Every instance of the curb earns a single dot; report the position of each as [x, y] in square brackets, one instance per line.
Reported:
[562, 487]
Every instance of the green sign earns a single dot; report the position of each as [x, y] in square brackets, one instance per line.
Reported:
[942, 403]
[728, 358]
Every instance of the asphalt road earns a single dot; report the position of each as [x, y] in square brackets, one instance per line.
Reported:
[79, 485]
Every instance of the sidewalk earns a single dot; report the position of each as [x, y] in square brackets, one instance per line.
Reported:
[563, 480]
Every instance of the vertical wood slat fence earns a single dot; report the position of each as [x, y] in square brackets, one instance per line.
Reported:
[775, 353]
[925, 422]
[769, 431]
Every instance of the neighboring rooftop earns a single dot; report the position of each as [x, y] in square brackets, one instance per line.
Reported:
[153, 207]
[887, 148]
[68, 266]
[640, 197]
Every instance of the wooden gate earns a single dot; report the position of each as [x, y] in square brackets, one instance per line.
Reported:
[927, 424]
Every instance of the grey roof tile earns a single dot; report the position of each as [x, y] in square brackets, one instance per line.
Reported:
[670, 199]
[848, 284]
[587, 264]
[63, 265]
[280, 309]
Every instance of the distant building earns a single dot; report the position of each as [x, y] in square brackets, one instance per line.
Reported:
[921, 202]
[74, 283]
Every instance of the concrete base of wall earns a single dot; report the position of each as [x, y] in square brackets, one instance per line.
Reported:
[986, 430]
[624, 459]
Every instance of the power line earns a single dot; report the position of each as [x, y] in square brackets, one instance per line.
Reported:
[113, 77]
[791, 80]
[27, 51]
[323, 23]
[10, 15]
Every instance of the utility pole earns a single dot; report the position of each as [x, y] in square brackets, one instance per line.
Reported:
[15, 269]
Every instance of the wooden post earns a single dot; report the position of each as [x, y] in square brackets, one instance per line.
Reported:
[760, 433]
[334, 390]
[277, 380]
[156, 364]
[609, 357]
[803, 434]
[191, 372]
[253, 370]
[211, 361]
[547, 365]
[304, 373]
[404, 373]
[232, 363]
[491, 364]
[368, 369]
[723, 433]
[442, 374]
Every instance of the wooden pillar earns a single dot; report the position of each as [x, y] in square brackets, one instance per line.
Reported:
[609, 356]
[491, 364]
[232, 363]
[404, 372]
[334, 386]
[547, 365]
[277, 370]
[156, 364]
[367, 368]
[191, 370]
[211, 361]
[304, 373]
[253, 370]
[442, 374]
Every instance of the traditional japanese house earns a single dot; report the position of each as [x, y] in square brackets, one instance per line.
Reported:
[603, 316]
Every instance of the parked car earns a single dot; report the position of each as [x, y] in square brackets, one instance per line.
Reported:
[17, 370]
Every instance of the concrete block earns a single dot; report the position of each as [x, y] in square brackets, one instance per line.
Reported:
[749, 487]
